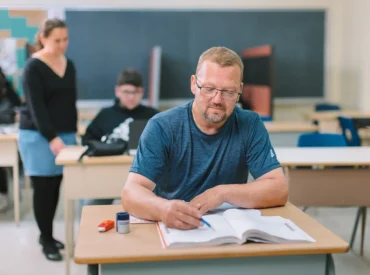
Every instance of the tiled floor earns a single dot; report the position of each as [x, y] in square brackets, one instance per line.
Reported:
[20, 252]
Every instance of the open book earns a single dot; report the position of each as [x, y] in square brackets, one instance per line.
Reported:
[235, 226]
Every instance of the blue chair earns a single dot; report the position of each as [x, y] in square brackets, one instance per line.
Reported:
[334, 140]
[349, 131]
[322, 107]
[266, 118]
[321, 140]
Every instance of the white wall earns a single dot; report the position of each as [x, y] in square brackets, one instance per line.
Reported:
[355, 74]
[172, 4]
[333, 49]
[350, 70]
[364, 96]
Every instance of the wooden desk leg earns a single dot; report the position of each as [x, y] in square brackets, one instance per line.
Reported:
[93, 269]
[16, 194]
[71, 223]
[363, 228]
[68, 231]
[27, 185]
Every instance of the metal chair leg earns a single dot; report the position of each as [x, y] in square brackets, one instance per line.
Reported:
[353, 236]
[363, 227]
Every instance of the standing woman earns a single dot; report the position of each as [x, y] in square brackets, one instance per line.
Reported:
[48, 123]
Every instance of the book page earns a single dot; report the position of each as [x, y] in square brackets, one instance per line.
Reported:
[241, 220]
[226, 206]
[270, 228]
[220, 233]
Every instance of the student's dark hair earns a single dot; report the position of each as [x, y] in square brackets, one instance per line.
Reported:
[131, 77]
[45, 30]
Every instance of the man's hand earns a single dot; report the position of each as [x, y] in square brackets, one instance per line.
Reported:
[209, 199]
[178, 214]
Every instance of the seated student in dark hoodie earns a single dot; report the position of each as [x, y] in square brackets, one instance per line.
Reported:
[129, 92]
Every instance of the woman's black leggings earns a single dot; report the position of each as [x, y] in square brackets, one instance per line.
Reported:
[45, 201]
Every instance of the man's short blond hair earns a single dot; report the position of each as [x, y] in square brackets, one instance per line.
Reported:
[223, 57]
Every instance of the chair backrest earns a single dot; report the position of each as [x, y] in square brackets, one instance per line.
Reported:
[349, 131]
[326, 107]
[266, 118]
[321, 140]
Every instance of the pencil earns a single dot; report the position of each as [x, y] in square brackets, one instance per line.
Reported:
[206, 223]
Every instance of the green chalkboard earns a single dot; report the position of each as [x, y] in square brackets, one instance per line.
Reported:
[104, 42]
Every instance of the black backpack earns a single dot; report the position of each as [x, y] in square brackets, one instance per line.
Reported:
[100, 149]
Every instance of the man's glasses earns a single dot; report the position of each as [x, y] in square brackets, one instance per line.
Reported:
[211, 92]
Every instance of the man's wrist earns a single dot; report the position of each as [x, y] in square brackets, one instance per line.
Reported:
[162, 208]
[223, 191]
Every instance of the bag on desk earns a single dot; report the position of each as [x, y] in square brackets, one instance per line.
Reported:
[101, 149]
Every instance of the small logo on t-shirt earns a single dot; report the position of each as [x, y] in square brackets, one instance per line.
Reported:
[272, 153]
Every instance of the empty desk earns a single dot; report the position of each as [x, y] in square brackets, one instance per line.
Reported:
[327, 187]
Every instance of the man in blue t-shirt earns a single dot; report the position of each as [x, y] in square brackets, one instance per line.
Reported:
[195, 157]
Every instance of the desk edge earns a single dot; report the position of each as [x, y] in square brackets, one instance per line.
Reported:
[337, 250]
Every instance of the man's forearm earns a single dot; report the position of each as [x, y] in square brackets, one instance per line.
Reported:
[143, 203]
[258, 194]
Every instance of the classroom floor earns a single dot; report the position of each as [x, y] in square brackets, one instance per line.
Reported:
[20, 252]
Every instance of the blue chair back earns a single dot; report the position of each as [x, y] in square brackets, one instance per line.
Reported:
[266, 118]
[349, 131]
[321, 140]
[321, 107]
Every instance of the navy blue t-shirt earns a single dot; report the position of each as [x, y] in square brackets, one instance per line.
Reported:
[184, 162]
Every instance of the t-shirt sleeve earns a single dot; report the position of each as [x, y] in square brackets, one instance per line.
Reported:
[261, 156]
[152, 153]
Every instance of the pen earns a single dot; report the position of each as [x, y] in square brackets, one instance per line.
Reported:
[206, 223]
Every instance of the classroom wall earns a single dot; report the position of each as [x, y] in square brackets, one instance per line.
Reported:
[346, 69]
[173, 4]
[21, 25]
[333, 22]
[355, 80]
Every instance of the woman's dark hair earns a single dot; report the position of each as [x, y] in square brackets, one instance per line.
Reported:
[46, 28]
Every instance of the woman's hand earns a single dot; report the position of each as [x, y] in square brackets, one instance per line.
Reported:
[56, 145]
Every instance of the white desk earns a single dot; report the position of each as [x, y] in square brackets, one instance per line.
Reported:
[341, 186]
[333, 115]
[97, 177]
[9, 158]
[328, 122]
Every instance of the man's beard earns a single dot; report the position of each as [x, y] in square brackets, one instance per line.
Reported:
[214, 118]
